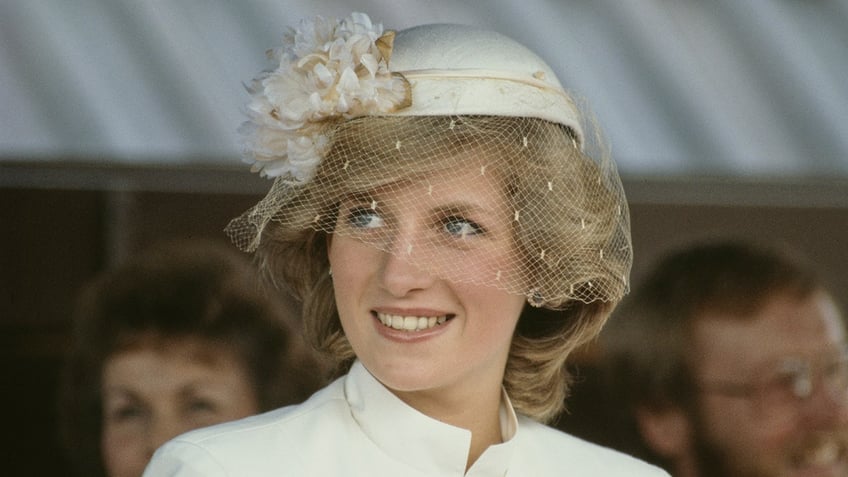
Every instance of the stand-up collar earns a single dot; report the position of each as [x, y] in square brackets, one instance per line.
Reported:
[418, 440]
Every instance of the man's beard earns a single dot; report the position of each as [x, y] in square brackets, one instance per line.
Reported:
[713, 460]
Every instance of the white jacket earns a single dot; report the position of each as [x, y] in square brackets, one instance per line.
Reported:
[357, 427]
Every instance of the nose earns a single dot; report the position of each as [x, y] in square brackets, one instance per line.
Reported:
[399, 276]
[161, 430]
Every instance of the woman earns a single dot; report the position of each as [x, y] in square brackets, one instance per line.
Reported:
[430, 184]
[179, 338]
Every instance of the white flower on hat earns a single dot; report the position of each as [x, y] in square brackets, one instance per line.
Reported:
[328, 70]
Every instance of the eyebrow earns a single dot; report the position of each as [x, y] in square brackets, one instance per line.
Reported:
[193, 388]
[497, 224]
[463, 207]
[120, 392]
[456, 207]
[358, 196]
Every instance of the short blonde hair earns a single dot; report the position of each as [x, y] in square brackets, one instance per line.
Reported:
[293, 246]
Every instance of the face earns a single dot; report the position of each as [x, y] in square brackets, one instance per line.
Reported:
[153, 394]
[427, 338]
[803, 436]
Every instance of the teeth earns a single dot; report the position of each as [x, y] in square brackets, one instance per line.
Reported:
[411, 323]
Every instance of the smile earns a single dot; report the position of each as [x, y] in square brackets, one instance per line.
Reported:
[411, 323]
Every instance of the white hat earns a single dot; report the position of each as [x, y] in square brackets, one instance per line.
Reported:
[351, 106]
[464, 70]
[331, 70]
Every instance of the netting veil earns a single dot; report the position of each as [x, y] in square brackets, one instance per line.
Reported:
[450, 147]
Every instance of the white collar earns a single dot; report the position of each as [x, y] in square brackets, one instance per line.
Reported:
[418, 440]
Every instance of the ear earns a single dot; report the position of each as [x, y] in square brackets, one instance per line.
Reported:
[667, 430]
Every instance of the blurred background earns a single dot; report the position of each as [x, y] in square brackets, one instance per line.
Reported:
[118, 120]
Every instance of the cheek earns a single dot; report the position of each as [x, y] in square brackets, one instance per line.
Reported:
[498, 311]
[736, 424]
[351, 262]
[345, 255]
[724, 418]
[124, 453]
[241, 401]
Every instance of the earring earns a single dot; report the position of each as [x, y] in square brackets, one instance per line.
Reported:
[330, 272]
[535, 299]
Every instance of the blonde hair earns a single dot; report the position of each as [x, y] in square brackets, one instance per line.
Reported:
[581, 221]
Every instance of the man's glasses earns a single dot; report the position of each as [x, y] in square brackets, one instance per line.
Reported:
[779, 388]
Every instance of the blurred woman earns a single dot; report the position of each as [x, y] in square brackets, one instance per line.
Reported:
[181, 337]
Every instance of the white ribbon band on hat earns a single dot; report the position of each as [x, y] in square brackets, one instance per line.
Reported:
[488, 92]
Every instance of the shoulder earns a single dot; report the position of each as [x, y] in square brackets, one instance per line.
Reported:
[558, 450]
[243, 444]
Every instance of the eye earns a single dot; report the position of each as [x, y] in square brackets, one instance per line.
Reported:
[124, 413]
[836, 372]
[201, 405]
[792, 380]
[786, 382]
[461, 227]
[364, 218]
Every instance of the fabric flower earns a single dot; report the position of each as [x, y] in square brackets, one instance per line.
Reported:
[326, 70]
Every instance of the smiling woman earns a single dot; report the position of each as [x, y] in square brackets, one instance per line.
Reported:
[470, 321]
[434, 193]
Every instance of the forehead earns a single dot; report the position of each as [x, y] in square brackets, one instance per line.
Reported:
[471, 180]
[147, 349]
[158, 369]
[783, 326]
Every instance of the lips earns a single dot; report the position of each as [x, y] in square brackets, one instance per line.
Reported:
[411, 323]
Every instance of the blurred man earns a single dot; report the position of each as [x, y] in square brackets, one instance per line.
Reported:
[730, 360]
